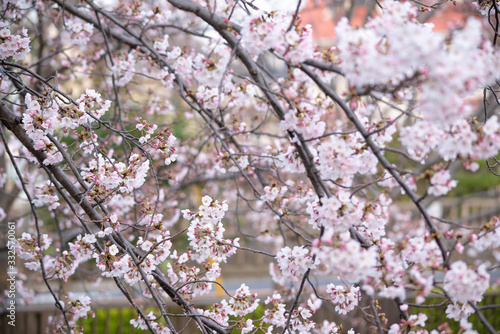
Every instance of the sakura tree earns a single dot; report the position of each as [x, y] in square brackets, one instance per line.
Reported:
[116, 114]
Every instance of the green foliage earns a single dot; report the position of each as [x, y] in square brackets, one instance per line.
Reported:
[471, 183]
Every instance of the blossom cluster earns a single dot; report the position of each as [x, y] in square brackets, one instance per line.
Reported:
[161, 44]
[61, 266]
[463, 284]
[240, 304]
[471, 140]
[80, 307]
[146, 129]
[28, 249]
[415, 323]
[390, 278]
[218, 312]
[271, 193]
[105, 175]
[441, 183]
[294, 262]
[190, 278]
[41, 118]
[44, 195]
[345, 300]
[300, 44]
[347, 259]
[164, 144]
[83, 248]
[459, 311]
[209, 97]
[276, 314]
[92, 107]
[113, 264]
[123, 69]
[344, 156]
[305, 121]
[182, 62]
[375, 217]
[301, 318]
[157, 327]
[243, 303]
[420, 139]
[394, 67]
[489, 237]
[290, 161]
[205, 232]
[484, 6]
[424, 251]
[80, 31]
[265, 31]
[230, 162]
[395, 50]
[12, 45]
[64, 264]
[338, 212]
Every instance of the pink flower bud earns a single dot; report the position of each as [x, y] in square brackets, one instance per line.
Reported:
[316, 243]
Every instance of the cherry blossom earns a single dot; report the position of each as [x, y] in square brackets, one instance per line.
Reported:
[264, 31]
[345, 299]
[27, 248]
[271, 193]
[13, 45]
[45, 196]
[243, 303]
[383, 38]
[459, 311]
[484, 5]
[294, 262]
[80, 307]
[123, 69]
[342, 156]
[92, 106]
[81, 32]
[305, 122]
[488, 237]
[464, 284]
[348, 259]
[205, 232]
[441, 183]
[82, 249]
[276, 314]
